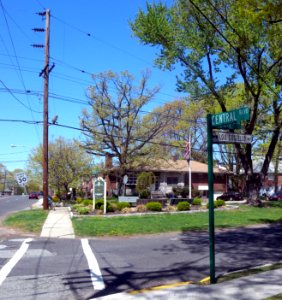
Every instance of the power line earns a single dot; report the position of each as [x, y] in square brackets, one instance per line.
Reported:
[85, 102]
[134, 139]
[17, 99]
[90, 35]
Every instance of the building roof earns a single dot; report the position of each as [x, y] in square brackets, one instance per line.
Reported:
[180, 166]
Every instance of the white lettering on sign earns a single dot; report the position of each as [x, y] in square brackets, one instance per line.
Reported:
[224, 118]
[225, 137]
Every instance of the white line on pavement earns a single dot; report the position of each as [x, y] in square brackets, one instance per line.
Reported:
[4, 272]
[96, 275]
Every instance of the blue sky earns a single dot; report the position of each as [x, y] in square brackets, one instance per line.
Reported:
[110, 46]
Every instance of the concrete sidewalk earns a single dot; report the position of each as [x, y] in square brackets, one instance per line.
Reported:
[254, 287]
[58, 224]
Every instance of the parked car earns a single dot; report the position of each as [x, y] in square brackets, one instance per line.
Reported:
[33, 195]
[230, 196]
[276, 196]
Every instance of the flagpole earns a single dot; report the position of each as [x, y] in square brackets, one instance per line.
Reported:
[189, 169]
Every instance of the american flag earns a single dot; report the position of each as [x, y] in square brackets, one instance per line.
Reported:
[187, 151]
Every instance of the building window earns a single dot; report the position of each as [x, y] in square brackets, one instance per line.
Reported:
[132, 178]
[172, 180]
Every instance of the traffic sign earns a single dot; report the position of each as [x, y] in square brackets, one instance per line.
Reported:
[230, 117]
[231, 138]
[21, 178]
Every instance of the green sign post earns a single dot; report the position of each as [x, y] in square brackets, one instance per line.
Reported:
[211, 203]
[232, 120]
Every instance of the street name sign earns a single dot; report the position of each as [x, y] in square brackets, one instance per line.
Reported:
[230, 117]
[231, 138]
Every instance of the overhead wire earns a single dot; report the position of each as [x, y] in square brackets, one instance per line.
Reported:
[17, 99]
[18, 66]
[118, 136]
[200, 121]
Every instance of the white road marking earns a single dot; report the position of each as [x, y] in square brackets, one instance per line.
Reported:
[96, 275]
[4, 272]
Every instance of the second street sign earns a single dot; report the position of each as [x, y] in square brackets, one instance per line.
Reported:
[231, 138]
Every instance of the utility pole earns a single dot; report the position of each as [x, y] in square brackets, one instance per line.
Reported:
[45, 111]
[45, 73]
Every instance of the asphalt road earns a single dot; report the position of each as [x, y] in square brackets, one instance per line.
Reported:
[10, 204]
[60, 268]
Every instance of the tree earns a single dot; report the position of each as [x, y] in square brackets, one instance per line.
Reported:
[144, 183]
[185, 117]
[115, 126]
[218, 44]
[68, 163]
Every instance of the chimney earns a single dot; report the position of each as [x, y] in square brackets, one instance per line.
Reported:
[108, 161]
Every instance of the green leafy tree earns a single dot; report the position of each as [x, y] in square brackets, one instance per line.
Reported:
[115, 124]
[68, 163]
[219, 44]
[185, 118]
[144, 183]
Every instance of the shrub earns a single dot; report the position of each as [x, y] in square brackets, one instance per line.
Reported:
[110, 207]
[76, 206]
[55, 198]
[78, 200]
[98, 204]
[83, 210]
[177, 190]
[197, 201]
[87, 202]
[144, 194]
[121, 205]
[217, 203]
[154, 206]
[181, 206]
[184, 192]
[114, 206]
[141, 208]
[220, 203]
[126, 210]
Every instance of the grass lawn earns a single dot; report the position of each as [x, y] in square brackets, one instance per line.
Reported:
[148, 224]
[27, 220]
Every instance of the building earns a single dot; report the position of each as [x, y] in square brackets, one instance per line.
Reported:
[170, 174]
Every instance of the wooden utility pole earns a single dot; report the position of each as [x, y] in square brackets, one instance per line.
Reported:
[45, 111]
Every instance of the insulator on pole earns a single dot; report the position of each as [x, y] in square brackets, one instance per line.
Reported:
[37, 46]
[42, 14]
[38, 29]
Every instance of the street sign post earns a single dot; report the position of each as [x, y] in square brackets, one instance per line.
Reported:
[231, 138]
[225, 120]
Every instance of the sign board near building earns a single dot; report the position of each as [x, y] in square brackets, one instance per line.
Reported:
[99, 191]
